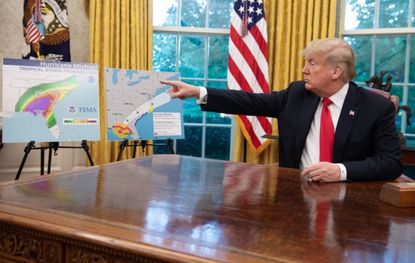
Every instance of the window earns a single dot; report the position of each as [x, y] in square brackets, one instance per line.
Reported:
[191, 37]
[382, 33]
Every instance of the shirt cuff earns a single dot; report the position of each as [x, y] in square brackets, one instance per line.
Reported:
[202, 96]
[343, 172]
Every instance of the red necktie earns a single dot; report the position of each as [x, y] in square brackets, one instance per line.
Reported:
[322, 216]
[326, 133]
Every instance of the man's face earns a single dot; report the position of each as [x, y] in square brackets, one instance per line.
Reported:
[317, 75]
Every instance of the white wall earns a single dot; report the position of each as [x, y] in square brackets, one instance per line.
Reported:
[11, 44]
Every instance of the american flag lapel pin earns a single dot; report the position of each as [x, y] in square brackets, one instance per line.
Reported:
[351, 113]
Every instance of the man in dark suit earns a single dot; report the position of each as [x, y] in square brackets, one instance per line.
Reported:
[363, 144]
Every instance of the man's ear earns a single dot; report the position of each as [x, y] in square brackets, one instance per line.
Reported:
[336, 73]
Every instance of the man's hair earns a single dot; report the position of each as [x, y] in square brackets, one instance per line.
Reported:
[336, 52]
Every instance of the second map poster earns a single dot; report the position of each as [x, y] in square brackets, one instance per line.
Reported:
[139, 107]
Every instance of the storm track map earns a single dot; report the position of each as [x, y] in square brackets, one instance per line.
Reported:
[50, 101]
[137, 106]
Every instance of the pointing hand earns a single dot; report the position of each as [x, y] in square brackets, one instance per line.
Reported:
[181, 90]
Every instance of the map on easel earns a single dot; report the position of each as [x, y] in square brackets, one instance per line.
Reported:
[139, 107]
[49, 101]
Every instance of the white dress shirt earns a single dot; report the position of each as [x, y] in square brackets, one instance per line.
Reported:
[311, 151]
[202, 96]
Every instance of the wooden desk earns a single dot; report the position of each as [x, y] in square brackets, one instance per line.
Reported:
[184, 209]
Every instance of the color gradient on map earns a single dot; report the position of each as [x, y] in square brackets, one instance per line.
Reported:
[41, 99]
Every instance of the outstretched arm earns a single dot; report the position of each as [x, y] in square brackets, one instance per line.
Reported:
[230, 101]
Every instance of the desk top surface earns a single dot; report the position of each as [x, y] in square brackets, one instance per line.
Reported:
[193, 209]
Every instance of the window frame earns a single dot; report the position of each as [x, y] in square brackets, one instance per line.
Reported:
[408, 31]
[206, 32]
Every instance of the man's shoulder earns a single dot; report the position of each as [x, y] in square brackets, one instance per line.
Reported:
[299, 84]
[296, 87]
[371, 95]
[371, 99]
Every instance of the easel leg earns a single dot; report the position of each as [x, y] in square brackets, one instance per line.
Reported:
[170, 145]
[27, 150]
[135, 148]
[49, 158]
[42, 161]
[86, 149]
[143, 145]
[55, 147]
[122, 146]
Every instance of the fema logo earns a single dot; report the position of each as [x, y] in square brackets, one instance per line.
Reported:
[91, 79]
[71, 109]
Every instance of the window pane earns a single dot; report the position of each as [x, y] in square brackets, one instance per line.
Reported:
[192, 145]
[393, 13]
[413, 17]
[193, 13]
[217, 84]
[164, 12]
[215, 117]
[192, 56]
[412, 60]
[398, 91]
[160, 147]
[218, 57]
[164, 52]
[192, 112]
[218, 143]
[359, 14]
[411, 104]
[219, 13]
[362, 46]
[390, 56]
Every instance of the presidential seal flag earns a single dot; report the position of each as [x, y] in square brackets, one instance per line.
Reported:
[248, 64]
[46, 31]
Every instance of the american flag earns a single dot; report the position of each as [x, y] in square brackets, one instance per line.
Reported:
[248, 64]
[34, 31]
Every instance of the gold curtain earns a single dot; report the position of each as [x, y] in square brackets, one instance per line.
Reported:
[120, 37]
[291, 25]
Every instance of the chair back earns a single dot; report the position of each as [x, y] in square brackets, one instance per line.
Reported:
[393, 98]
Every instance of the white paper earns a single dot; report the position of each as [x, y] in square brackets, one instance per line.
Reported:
[167, 124]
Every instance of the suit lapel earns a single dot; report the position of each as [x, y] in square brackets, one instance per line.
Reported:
[347, 117]
[308, 109]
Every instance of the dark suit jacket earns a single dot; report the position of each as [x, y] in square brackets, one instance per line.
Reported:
[366, 140]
